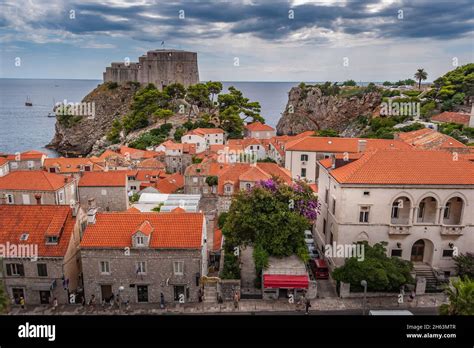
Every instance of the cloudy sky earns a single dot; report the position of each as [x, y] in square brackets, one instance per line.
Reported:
[366, 40]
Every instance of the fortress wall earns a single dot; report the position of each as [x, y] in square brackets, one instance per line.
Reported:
[158, 67]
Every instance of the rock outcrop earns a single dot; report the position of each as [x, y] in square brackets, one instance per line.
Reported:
[78, 138]
[308, 109]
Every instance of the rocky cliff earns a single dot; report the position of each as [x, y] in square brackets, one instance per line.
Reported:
[77, 135]
[308, 109]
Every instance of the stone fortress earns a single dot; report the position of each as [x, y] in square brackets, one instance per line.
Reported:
[161, 67]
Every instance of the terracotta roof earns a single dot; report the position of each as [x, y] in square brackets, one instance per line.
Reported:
[28, 155]
[217, 241]
[146, 228]
[151, 163]
[170, 230]
[70, 165]
[208, 168]
[452, 117]
[314, 187]
[38, 221]
[429, 139]
[132, 210]
[137, 154]
[3, 160]
[406, 168]
[334, 144]
[170, 184]
[101, 179]
[109, 153]
[147, 174]
[236, 172]
[258, 127]
[178, 210]
[33, 180]
[204, 131]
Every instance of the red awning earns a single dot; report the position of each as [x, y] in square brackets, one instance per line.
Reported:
[285, 281]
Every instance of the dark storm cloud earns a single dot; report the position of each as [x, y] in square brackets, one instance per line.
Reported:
[266, 19]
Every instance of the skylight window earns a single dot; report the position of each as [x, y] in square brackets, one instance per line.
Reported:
[24, 236]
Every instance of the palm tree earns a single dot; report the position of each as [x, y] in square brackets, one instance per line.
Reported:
[461, 298]
[420, 74]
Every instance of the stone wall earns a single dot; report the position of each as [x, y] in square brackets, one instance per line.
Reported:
[228, 287]
[159, 276]
[106, 198]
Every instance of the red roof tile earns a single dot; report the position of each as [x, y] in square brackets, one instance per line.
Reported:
[406, 168]
[101, 179]
[217, 241]
[334, 144]
[258, 127]
[170, 230]
[38, 221]
[33, 180]
[452, 117]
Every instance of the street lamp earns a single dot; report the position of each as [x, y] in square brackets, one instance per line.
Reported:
[121, 288]
[364, 284]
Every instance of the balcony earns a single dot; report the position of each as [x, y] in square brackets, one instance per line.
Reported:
[398, 230]
[452, 230]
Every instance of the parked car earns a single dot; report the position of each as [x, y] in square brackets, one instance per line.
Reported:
[314, 254]
[308, 237]
[320, 268]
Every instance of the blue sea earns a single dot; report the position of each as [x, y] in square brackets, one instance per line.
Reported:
[28, 127]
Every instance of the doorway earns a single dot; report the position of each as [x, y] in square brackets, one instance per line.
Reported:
[106, 291]
[418, 251]
[17, 293]
[142, 293]
[45, 297]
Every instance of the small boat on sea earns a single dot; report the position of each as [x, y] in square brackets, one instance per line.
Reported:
[28, 102]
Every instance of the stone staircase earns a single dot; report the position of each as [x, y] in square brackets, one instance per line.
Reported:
[210, 293]
[425, 271]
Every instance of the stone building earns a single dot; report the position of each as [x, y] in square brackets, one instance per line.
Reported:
[29, 160]
[46, 261]
[419, 202]
[4, 167]
[161, 67]
[37, 187]
[259, 130]
[107, 189]
[138, 256]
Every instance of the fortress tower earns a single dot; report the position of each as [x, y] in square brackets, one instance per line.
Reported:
[160, 67]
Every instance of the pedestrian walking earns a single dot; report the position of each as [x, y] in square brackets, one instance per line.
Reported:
[236, 300]
[55, 304]
[307, 305]
[22, 302]
[162, 301]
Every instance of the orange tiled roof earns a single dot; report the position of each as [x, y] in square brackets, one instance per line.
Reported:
[33, 180]
[258, 127]
[334, 144]
[28, 155]
[207, 168]
[170, 230]
[38, 221]
[100, 179]
[132, 210]
[204, 131]
[254, 174]
[137, 154]
[70, 165]
[406, 168]
[429, 139]
[178, 210]
[452, 117]
[3, 160]
[217, 241]
[170, 184]
[152, 163]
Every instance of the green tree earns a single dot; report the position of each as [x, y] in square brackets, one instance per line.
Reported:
[381, 272]
[175, 91]
[350, 83]
[178, 133]
[387, 83]
[326, 133]
[212, 180]
[241, 105]
[4, 300]
[465, 265]
[198, 95]
[114, 133]
[272, 216]
[214, 88]
[420, 75]
[163, 114]
[461, 298]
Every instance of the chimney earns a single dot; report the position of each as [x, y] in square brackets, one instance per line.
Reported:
[91, 212]
[75, 206]
[333, 161]
[361, 145]
[38, 198]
